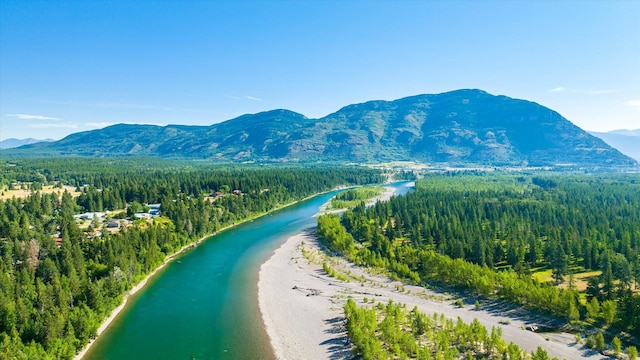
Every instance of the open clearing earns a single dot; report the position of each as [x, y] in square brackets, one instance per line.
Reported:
[23, 194]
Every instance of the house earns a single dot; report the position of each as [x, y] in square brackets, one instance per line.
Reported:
[90, 216]
[237, 192]
[154, 210]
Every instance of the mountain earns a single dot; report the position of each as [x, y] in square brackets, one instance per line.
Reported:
[14, 143]
[627, 141]
[458, 127]
[626, 132]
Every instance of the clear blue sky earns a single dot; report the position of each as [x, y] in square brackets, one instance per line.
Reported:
[68, 66]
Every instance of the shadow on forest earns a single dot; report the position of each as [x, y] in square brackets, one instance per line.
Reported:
[504, 309]
[545, 323]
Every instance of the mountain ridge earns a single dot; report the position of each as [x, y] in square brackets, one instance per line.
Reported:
[626, 141]
[11, 143]
[467, 126]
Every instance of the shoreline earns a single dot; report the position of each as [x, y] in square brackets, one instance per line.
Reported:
[302, 306]
[140, 285]
[289, 299]
[386, 194]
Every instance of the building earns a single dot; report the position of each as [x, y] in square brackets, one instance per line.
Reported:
[154, 210]
[90, 216]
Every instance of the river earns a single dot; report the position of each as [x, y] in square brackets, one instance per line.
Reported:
[203, 305]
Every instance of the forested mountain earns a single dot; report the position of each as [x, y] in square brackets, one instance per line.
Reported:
[61, 276]
[458, 127]
[627, 141]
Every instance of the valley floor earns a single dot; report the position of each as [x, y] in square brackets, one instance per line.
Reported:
[302, 306]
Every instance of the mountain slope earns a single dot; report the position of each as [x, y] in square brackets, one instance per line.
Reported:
[14, 143]
[627, 141]
[458, 127]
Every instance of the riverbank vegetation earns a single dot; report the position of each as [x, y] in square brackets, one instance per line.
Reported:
[353, 197]
[488, 234]
[391, 331]
[59, 281]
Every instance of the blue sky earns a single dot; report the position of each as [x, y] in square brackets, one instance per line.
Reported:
[69, 66]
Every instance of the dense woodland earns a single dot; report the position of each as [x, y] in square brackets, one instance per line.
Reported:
[488, 234]
[53, 296]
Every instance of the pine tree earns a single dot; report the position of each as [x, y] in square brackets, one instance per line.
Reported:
[616, 345]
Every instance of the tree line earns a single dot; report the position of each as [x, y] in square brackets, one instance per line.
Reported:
[487, 234]
[54, 295]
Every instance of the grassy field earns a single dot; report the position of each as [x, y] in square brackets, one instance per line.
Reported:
[579, 277]
[22, 194]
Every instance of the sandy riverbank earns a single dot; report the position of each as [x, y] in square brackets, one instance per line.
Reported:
[302, 306]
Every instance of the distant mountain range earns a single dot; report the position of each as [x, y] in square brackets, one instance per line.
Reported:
[627, 141]
[459, 127]
[14, 143]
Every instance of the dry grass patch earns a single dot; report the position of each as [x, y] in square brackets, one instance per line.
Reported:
[579, 279]
[23, 194]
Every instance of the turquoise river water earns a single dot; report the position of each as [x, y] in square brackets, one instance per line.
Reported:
[203, 305]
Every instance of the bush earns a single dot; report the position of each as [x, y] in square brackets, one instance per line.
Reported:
[590, 342]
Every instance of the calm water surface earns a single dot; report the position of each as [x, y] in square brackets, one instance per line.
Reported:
[204, 305]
